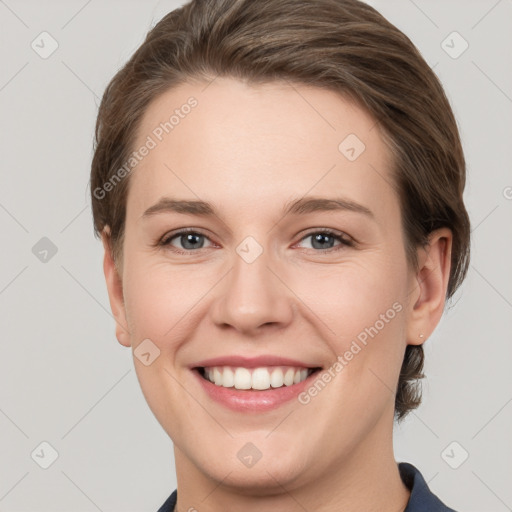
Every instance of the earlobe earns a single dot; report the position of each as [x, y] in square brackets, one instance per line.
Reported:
[430, 286]
[115, 290]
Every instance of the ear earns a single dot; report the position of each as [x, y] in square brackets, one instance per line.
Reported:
[115, 290]
[430, 285]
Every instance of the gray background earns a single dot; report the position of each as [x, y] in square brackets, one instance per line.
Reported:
[64, 377]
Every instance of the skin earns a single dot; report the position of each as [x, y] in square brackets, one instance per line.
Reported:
[248, 150]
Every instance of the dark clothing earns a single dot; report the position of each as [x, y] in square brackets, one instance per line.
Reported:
[421, 500]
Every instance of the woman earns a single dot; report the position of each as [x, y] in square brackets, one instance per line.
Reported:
[278, 188]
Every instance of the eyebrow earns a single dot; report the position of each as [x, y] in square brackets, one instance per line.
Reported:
[300, 206]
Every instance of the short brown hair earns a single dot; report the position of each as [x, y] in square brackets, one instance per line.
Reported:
[341, 45]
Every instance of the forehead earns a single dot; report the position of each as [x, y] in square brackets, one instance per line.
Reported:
[236, 144]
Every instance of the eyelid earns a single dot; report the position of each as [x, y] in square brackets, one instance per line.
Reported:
[165, 240]
[344, 239]
[310, 231]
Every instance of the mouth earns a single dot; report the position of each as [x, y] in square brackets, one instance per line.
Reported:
[263, 378]
[254, 384]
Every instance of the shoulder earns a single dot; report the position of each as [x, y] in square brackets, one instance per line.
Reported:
[422, 499]
[169, 504]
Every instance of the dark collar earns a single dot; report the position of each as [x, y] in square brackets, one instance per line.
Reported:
[421, 500]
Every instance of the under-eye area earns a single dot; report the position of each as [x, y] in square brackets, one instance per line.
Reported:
[275, 248]
[191, 239]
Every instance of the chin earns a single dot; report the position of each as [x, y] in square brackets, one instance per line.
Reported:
[266, 477]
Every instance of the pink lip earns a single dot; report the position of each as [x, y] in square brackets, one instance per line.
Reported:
[252, 400]
[252, 362]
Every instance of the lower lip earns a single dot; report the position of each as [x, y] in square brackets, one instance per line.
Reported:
[249, 400]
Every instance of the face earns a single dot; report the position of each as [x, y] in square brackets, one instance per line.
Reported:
[292, 279]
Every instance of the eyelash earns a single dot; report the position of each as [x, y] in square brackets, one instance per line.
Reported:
[344, 240]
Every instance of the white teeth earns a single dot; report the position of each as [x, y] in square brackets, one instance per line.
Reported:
[260, 378]
[277, 378]
[217, 376]
[257, 378]
[228, 378]
[242, 378]
[288, 377]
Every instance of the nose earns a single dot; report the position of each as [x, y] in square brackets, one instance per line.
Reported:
[253, 296]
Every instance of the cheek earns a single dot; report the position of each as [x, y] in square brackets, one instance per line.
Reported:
[352, 296]
[362, 316]
[161, 299]
[159, 306]
[148, 306]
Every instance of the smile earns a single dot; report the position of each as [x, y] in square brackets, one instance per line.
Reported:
[254, 389]
[261, 379]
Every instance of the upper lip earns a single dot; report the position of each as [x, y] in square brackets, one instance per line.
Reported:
[252, 362]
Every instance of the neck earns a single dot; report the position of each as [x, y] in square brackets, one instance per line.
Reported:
[365, 479]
